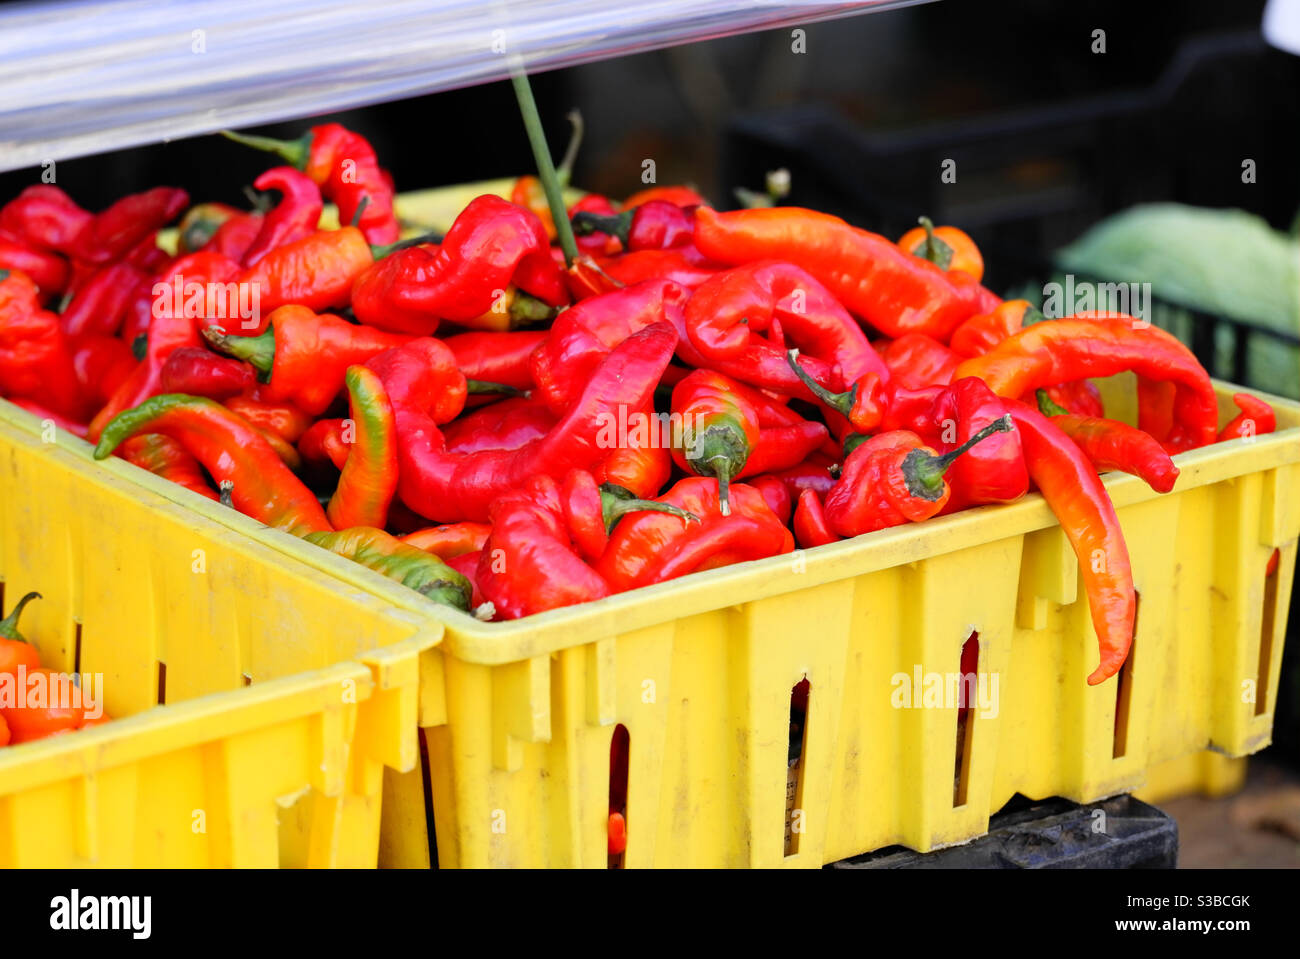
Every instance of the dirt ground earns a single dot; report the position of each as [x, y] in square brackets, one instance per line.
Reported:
[1259, 827]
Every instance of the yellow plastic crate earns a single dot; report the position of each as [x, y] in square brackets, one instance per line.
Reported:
[171, 607]
[1204, 773]
[518, 717]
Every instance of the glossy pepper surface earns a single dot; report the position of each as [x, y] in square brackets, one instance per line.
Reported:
[369, 478]
[894, 291]
[232, 451]
[1069, 483]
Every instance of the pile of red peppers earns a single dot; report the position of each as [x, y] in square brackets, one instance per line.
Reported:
[507, 430]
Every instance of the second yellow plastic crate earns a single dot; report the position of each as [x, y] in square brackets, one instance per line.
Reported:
[277, 723]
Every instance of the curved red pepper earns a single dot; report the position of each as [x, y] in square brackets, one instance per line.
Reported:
[411, 290]
[48, 271]
[1255, 419]
[506, 425]
[44, 217]
[450, 486]
[810, 526]
[497, 357]
[111, 233]
[295, 216]
[725, 314]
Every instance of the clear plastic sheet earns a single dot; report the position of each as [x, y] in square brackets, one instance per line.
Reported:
[84, 77]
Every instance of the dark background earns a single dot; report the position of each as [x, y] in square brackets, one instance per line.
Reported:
[1047, 135]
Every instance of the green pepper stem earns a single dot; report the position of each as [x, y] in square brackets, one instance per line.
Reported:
[1047, 406]
[545, 168]
[924, 472]
[486, 387]
[935, 250]
[9, 625]
[722, 470]
[360, 211]
[853, 440]
[258, 351]
[379, 252]
[528, 310]
[4, 275]
[840, 402]
[619, 225]
[615, 505]
[294, 152]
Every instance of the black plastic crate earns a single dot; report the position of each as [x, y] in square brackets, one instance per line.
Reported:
[1117, 833]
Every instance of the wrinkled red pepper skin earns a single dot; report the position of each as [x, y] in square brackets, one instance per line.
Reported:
[446, 486]
[583, 335]
[529, 563]
[413, 289]
[343, 164]
[111, 233]
[725, 314]
[1112, 445]
[649, 548]
[295, 216]
[992, 471]
[45, 218]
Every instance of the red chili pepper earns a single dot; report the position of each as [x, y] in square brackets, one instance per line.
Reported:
[113, 232]
[199, 372]
[654, 225]
[163, 456]
[916, 361]
[297, 215]
[234, 237]
[412, 290]
[1255, 419]
[1089, 345]
[1072, 489]
[48, 271]
[506, 425]
[893, 291]
[102, 365]
[810, 526]
[231, 450]
[652, 548]
[1111, 445]
[180, 302]
[45, 218]
[323, 442]
[344, 166]
[683, 265]
[316, 271]
[271, 416]
[304, 355]
[591, 511]
[676, 195]
[725, 314]
[1079, 397]
[776, 494]
[994, 470]
[894, 478]
[450, 540]
[871, 405]
[497, 357]
[542, 278]
[642, 469]
[450, 486]
[101, 304]
[36, 360]
[982, 332]
[583, 336]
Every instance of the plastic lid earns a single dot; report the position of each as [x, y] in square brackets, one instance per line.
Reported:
[87, 77]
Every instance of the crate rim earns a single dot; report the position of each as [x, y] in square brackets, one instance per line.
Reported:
[485, 643]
